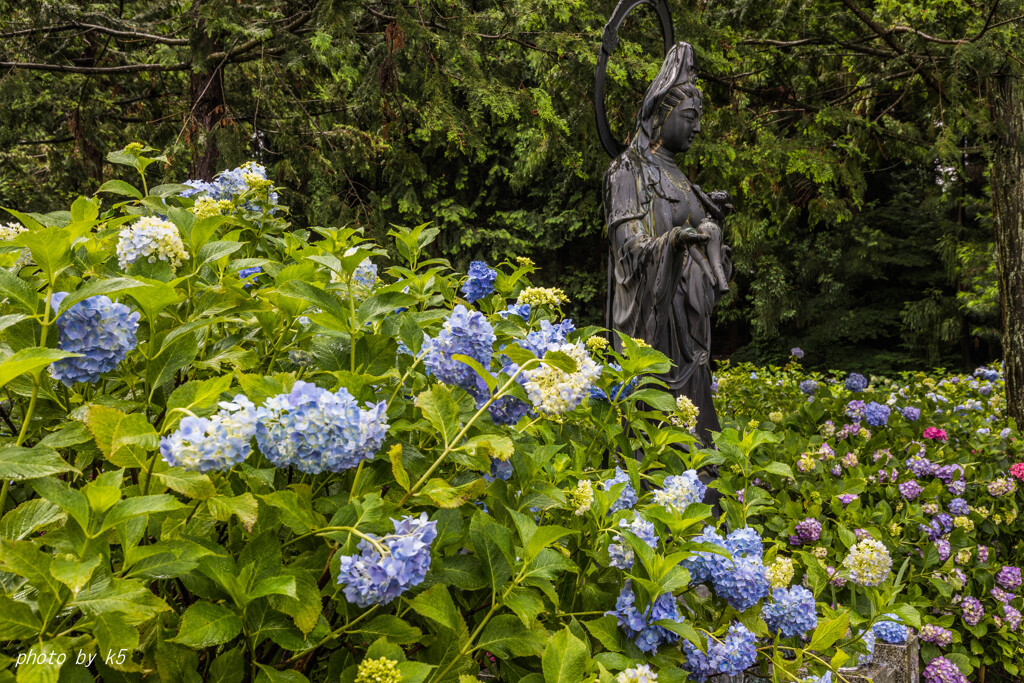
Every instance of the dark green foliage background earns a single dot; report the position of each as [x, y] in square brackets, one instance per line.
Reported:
[863, 231]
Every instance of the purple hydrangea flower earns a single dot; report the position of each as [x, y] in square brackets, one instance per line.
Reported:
[957, 487]
[809, 387]
[982, 553]
[101, 330]
[936, 635]
[856, 382]
[846, 498]
[480, 282]
[920, 466]
[973, 612]
[910, 489]
[376, 578]
[942, 545]
[796, 352]
[792, 612]
[1013, 617]
[1002, 596]
[855, 410]
[941, 670]
[1009, 578]
[807, 531]
[500, 469]
[910, 413]
[959, 507]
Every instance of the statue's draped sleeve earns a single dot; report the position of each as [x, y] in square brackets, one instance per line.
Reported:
[644, 268]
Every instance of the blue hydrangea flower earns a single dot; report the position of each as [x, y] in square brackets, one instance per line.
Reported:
[856, 383]
[621, 554]
[791, 613]
[506, 410]
[745, 542]
[522, 310]
[891, 632]
[316, 430]
[376, 578]
[741, 582]
[548, 338]
[480, 282]
[244, 274]
[626, 499]
[731, 656]
[703, 564]
[809, 387]
[876, 414]
[869, 643]
[231, 184]
[467, 333]
[152, 239]
[796, 352]
[101, 330]
[500, 469]
[640, 625]
[214, 443]
[681, 490]
[910, 413]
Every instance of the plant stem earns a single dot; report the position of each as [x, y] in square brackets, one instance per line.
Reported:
[352, 530]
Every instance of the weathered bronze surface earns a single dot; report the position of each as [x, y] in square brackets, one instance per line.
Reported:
[668, 265]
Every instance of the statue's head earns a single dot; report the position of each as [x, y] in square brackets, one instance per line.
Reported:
[673, 106]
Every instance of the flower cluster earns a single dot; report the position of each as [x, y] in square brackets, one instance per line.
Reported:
[550, 337]
[317, 431]
[869, 562]
[467, 333]
[215, 443]
[208, 206]
[230, 185]
[807, 531]
[809, 387]
[703, 564]
[910, 489]
[791, 612]
[876, 414]
[640, 626]
[856, 382]
[101, 330]
[582, 497]
[381, 670]
[941, 670]
[686, 413]
[553, 391]
[729, 656]
[780, 572]
[972, 609]
[936, 635]
[480, 281]
[1002, 486]
[621, 554]
[1009, 578]
[541, 296]
[891, 632]
[387, 567]
[742, 582]
[641, 674]
[627, 498]
[681, 490]
[152, 239]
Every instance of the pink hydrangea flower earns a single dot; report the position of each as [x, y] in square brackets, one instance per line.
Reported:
[1017, 470]
[936, 434]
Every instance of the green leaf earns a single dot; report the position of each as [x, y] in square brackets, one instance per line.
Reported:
[543, 537]
[493, 546]
[17, 291]
[205, 624]
[170, 360]
[243, 506]
[380, 306]
[781, 469]
[436, 604]
[397, 469]
[119, 187]
[910, 616]
[96, 287]
[565, 658]
[269, 674]
[274, 585]
[114, 633]
[463, 572]
[560, 360]
[128, 597]
[441, 410]
[506, 637]
[140, 505]
[43, 662]
[444, 495]
[17, 620]
[211, 251]
[74, 573]
[195, 485]
[828, 632]
[28, 518]
[18, 463]
[391, 627]
[229, 667]
[29, 361]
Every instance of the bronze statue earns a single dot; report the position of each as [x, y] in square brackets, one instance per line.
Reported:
[667, 267]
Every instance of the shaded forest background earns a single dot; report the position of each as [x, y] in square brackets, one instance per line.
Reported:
[856, 138]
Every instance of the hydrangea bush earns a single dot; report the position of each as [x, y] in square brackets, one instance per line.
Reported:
[249, 451]
[914, 476]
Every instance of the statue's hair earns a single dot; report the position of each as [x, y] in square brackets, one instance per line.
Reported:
[682, 92]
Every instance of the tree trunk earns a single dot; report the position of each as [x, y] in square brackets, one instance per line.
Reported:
[206, 100]
[1008, 202]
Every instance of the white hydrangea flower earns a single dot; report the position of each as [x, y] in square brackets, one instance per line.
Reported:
[582, 497]
[554, 392]
[153, 239]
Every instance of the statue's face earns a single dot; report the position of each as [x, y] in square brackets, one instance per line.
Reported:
[680, 129]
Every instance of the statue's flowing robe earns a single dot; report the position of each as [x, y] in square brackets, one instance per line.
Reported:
[658, 293]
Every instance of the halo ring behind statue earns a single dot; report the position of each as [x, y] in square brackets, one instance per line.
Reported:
[609, 41]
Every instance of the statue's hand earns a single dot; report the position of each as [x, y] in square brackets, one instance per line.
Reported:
[723, 201]
[683, 237]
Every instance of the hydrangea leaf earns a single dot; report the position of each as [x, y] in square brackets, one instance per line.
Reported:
[462, 571]
[441, 411]
[493, 546]
[131, 598]
[72, 572]
[228, 667]
[436, 604]
[172, 357]
[18, 291]
[17, 620]
[205, 624]
[18, 463]
[195, 485]
[526, 604]
[46, 664]
[829, 631]
[27, 518]
[140, 505]
[29, 361]
[565, 659]
[389, 626]
[113, 634]
[96, 287]
[506, 636]
[606, 630]
[381, 305]
[415, 672]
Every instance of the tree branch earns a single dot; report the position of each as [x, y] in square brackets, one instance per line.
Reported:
[64, 68]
